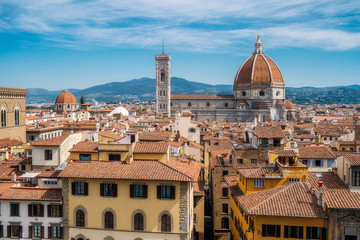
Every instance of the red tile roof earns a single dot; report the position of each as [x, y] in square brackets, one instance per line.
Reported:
[85, 147]
[285, 153]
[259, 172]
[137, 170]
[111, 135]
[151, 147]
[155, 136]
[9, 142]
[32, 193]
[335, 192]
[318, 152]
[56, 141]
[353, 158]
[269, 132]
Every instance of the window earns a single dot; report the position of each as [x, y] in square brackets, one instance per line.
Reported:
[165, 223]
[225, 223]
[265, 142]
[50, 181]
[48, 154]
[165, 192]
[14, 210]
[3, 117]
[114, 157]
[225, 192]
[192, 130]
[80, 188]
[318, 163]
[224, 173]
[189, 104]
[240, 161]
[37, 231]
[271, 230]
[108, 189]
[253, 161]
[15, 231]
[80, 218]
[292, 145]
[68, 106]
[293, 180]
[85, 157]
[244, 94]
[355, 178]
[225, 208]
[259, 183]
[138, 191]
[208, 104]
[17, 116]
[294, 232]
[330, 163]
[315, 233]
[55, 232]
[54, 210]
[109, 220]
[306, 162]
[162, 75]
[277, 142]
[138, 222]
[35, 210]
[261, 93]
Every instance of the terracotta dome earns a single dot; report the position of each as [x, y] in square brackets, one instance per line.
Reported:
[289, 105]
[66, 97]
[258, 68]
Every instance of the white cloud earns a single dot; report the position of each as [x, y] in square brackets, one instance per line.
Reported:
[203, 25]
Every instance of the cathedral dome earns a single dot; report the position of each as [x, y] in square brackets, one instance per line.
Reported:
[258, 68]
[66, 97]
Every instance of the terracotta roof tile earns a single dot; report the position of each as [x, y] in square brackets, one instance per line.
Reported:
[138, 169]
[85, 147]
[56, 141]
[155, 136]
[269, 132]
[151, 147]
[32, 193]
[319, 152]
[259, 172]
[354, 158]
[8, 142]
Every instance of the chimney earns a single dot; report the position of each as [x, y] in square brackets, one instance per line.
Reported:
[13, 177]
[320, 200]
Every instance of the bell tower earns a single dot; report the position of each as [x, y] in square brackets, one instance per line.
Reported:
[163, 89]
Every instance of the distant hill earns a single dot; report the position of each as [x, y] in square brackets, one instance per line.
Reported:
[144, 89]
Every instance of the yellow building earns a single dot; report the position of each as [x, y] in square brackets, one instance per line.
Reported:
[151, 150]
[138, 200]
[275, 202]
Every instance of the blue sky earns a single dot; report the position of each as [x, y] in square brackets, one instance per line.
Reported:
[62, 44]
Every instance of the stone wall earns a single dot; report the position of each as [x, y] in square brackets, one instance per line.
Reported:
[66, 216]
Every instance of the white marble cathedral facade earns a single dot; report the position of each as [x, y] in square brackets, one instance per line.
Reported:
[259, 93]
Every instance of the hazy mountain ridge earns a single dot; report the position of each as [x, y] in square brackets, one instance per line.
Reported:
[144, 89]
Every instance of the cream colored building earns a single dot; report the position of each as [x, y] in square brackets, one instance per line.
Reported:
[12, 118]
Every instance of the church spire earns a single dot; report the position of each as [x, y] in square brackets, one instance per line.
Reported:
[258, 46]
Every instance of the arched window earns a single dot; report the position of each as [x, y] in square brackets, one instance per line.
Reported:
[3, 117]
[80, 218]
[162, 76]
[160, 92]
[244, 94]
[17, 116]
[138, 222]
[164, 93]
[165, 223]
[109, 220]
[224, 223]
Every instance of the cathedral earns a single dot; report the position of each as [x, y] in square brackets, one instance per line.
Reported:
[258, 94]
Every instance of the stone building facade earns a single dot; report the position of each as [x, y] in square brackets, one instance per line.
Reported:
[259, 93]
[12, 106]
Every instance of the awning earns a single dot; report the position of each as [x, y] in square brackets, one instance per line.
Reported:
[29, 175]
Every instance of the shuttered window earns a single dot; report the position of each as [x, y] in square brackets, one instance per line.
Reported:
[165, 192]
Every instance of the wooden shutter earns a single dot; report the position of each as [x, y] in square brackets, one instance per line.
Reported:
[61, 210]
[159, 192]
[30, 231]
[86, 187]
[132, 190]
[115, 190]
[49, 210]
[30, 210]
[102, 187]
[278, 231]
[264, 230]
[308, 232]
[50, 232]
[41, 210]
[172, 192]
[145, 191]
[61, 232]
[286, 231]
[9, 231]
[20, 231]
[301, 232]
[42, 231]
[323, 233]
[73, 188]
